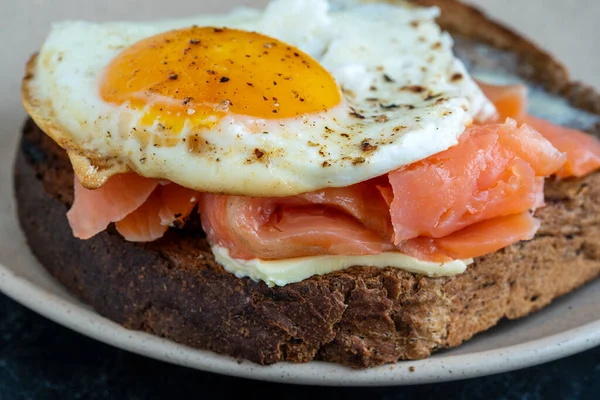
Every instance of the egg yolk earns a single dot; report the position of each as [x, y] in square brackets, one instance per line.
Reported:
[203, 73]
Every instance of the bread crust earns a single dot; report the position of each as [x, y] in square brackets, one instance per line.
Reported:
[360, 317]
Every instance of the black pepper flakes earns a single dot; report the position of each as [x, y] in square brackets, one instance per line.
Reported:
[456, 77]
[194, 41]
[325, 164]
[354, 114]
[218, 30]
[224, 79]
[173, 77]
[366, 146]
[211, 72]
[358, 160]
[432, 96]
[258, 153]
[388, 106]
[387, 78]
[224, 105]
[413, 88]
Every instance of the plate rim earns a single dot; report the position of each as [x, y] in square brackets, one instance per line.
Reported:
[80, 317]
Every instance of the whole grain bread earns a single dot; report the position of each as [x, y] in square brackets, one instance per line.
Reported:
[360, 317]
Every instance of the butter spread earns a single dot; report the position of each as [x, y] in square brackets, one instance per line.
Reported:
[282, 272]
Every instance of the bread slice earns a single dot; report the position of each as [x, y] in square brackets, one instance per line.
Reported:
[360, 317]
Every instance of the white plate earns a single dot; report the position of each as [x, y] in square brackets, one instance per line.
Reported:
[570, 325]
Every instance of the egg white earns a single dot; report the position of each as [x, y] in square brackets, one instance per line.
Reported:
[406, 97]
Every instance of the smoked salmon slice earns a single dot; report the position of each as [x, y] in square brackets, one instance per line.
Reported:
[144, 223]
[167, 206]
[510, 100]
[177, 203]
[142, 208]
[495, 170]
[582, 149]
[93, 210]
[350, 221]
[476, 240]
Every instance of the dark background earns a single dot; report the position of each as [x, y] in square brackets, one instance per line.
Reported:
[42, 360]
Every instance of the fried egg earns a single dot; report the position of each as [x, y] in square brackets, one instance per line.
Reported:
[270, 102]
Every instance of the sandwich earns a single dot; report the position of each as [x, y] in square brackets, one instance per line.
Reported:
[353, 182]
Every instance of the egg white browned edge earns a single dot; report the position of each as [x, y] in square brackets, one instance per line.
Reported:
[101, 167]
